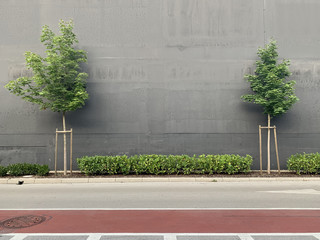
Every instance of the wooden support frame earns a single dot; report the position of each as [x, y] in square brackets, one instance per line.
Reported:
[275, 143]
[56, 151]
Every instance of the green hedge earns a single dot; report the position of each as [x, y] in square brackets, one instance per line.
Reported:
[308, 163]
[3, 171]
[20, 169]
[163, 164]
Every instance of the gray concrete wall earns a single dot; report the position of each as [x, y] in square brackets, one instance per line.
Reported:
[165, 76]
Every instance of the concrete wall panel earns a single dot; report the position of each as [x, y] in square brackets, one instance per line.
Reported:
[165, 76]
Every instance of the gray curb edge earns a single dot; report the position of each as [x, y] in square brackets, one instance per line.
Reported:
[33, 180]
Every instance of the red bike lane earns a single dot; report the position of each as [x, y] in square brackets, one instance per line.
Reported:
[159, 221]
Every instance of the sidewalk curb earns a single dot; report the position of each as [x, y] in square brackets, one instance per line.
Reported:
[153, 179]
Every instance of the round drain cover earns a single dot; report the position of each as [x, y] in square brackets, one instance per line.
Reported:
[23, 221]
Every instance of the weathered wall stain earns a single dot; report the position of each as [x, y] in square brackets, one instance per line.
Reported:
[18, 71]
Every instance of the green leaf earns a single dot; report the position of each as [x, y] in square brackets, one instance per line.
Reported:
[57, 82]
[269, 85]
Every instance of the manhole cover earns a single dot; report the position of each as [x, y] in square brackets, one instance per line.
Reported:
[23, 221]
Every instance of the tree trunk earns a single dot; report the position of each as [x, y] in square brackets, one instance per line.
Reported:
[268, 143]
[64, 144]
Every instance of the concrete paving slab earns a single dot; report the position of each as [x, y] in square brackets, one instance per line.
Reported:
[290, 179]
[208, 237]
[262, 179]
[182, 179]
[101, 180]
[231, 179]
[136, 237]
[47, 180]
[281, 237]
[3, 180]
[155, 179]
[27, 180]
[56, 237]
[206, 179]
[74, 180]
[311, 179]
[125, 180]
[3, 237]
[14, 180]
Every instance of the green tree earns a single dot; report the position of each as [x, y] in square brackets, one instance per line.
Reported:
[57, 82]
[271, 90]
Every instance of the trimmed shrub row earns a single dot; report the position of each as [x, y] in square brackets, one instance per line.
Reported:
[20, 169]
[163, 164]
[3, 171]
[307, 163]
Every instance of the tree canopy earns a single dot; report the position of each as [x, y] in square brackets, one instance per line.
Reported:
[271, 90]
[57, 82]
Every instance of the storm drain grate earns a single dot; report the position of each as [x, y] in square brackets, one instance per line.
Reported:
[22, 221]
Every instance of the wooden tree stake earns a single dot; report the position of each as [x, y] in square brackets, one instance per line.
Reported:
[276, 147]
[260, 147]
[56, 151]
[71, 151]
[268, 144]
[64, 145]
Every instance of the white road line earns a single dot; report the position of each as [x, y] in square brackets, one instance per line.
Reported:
[296, 191]
[169, 237]
[19, 237]
[148, 209]
[94, 236]
[245, 237]
[316, 236]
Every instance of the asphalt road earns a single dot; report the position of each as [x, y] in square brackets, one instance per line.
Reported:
[223, 211]
[161, 195]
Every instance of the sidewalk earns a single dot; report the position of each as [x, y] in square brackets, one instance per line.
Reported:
[70, 180]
